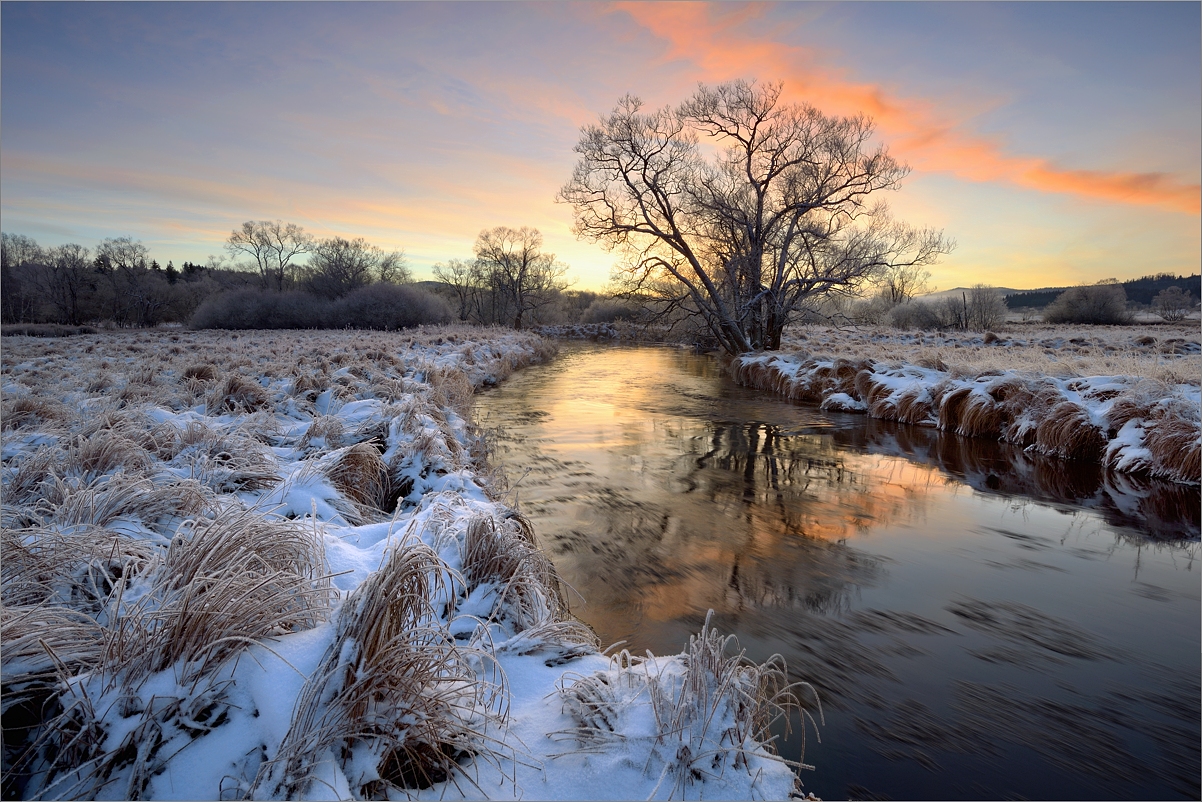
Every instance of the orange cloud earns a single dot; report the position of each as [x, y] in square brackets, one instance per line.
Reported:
[715, 39]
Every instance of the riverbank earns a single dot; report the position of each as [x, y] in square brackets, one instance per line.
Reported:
[1122, 398]
[384, 623]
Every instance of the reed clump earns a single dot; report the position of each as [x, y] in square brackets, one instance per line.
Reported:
[1065, 418]
[530, 593]
[713, 710]
[395, 702]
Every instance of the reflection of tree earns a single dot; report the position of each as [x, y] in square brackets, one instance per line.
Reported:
[747, 517]
[1162, 509]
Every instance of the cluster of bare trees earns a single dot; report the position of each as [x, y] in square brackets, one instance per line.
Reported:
[785, 213]
[335, 266]
[117, 282]
[979, 308]
[511, 281]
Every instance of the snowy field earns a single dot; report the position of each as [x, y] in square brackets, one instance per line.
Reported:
[1125, 397]
[271, 565]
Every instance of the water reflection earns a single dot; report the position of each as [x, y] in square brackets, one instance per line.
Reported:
[1160, 509]
[914, 579]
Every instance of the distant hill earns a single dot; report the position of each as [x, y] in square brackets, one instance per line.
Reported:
[956, 291]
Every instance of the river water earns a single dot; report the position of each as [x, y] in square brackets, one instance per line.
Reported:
[976, 623]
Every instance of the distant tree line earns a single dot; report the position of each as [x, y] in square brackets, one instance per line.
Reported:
[118, 282]
[121, 284]
[1139, 292]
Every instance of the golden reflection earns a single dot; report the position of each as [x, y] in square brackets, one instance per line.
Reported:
[654, 505]
[662, 490]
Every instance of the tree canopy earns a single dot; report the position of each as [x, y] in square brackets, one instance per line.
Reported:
[786, 208]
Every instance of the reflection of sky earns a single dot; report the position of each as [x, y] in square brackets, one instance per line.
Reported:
[1056, 142]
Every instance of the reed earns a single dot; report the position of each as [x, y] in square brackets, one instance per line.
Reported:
[361, 475]
[713, 710]
[395, 702]
[1068, 432]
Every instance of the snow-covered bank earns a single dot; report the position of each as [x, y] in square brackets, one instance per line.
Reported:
[266, 565]
[1129, 423]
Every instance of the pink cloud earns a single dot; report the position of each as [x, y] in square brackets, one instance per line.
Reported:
[934, 139]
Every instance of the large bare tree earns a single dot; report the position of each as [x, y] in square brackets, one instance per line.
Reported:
[783, 211]
[512, 261]
[273, 244]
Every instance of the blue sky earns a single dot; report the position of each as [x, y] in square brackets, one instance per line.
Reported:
[1056, 142]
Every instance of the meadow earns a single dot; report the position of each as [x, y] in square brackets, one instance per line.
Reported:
[277, 565]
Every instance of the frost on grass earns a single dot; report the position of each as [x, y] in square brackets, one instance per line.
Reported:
[268, 565]
[1132, 404]
[701, 719]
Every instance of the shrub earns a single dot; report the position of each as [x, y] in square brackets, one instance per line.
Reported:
[979, 309]
[607, 310]
[388, 307]
[1172, 304]
[1100, 303]
[376, 306]
[915, 315]
[259, 309]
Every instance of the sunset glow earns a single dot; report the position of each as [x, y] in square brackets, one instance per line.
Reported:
[1057, 143]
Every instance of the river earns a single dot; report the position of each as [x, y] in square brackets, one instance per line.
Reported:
[976, 623]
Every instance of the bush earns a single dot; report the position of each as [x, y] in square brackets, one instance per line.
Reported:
[980, 308]
[608, 310]
[260, 309]
[915, 315]
[376, 306]
[1172, 304]
[388, 307]
[1100, 303]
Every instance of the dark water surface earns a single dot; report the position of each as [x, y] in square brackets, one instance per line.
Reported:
[978, 623]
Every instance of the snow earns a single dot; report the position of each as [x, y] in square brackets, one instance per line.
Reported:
[922, 395]
[211, 732]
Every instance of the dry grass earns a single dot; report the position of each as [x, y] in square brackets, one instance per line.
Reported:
[232, 581]
[29, 411]
[119, 497]
[530, 593]
[710, 717]
[394, 700]
[237, 394]
[134, 573]
[224, 460]
[359, 473]
[1164, 353]
[1005, 388]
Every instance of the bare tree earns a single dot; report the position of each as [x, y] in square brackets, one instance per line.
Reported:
[273, 245]
[1172, 304]
[337, 266]
[135, 299]
[69, 281]
[18, 298]
[901, 282]
[461, 277]
[526, 277]
[782, 214]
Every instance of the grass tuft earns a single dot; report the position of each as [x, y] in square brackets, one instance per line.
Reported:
[394, 700]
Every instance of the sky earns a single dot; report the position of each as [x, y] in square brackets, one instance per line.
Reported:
[1056, 143]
